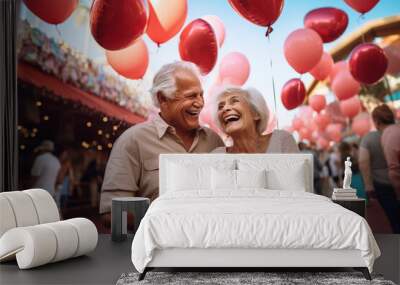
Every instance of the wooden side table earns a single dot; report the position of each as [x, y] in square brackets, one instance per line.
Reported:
[355, 205]
[119, 211]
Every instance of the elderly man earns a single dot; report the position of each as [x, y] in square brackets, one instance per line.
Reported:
[132, 169]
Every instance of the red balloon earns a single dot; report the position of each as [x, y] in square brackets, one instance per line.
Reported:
[334, 131]
[362, 6]
[50, 11]
[293, 93]
[199, 45]
[336, 69]
[116, 25]
[361, 124]
[368, 63]
[260, 12]
[329, 23]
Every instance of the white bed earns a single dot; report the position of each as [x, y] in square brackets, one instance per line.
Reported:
[201, 219]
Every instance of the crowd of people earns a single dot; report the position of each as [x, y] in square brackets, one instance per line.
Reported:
[72, 176]
[68, 65]
[375, 165]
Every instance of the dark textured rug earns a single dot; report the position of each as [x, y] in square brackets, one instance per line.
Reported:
[230, 278]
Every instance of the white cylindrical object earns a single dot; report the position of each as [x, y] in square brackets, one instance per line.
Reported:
[33, 246]
[45, 205]
[87, 234]
[7, 218]
[23, 207]
[67, 240]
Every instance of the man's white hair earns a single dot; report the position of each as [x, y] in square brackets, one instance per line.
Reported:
[164, 81]
[253, 97]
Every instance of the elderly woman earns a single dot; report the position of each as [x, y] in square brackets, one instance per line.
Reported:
[242, 114]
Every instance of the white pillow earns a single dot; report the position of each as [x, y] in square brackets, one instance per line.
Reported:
[237, 179]
[251, 178]
[182, 177]
[223, 179]
[281, 174]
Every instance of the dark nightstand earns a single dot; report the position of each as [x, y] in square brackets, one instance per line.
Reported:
[355, 205]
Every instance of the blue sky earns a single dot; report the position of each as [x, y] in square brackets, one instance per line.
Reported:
[241, 36]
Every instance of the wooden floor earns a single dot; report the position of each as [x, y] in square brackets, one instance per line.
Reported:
[110, 260]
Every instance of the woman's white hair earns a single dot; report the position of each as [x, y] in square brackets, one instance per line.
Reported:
[164, 80]
[253, 97]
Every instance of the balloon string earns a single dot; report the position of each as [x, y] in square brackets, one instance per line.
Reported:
[273, 82]
[58, 32]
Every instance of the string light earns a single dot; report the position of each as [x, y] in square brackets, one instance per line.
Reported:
[99, 132]
[99, 147]
[46, 118]
[115, 127]
[107, 135]
[22, 147]
[38, 103]
[85, 144]
[94, 143]
[105, 119]
[109, 145]
[35, 130]
[19, 128]
[88, 124]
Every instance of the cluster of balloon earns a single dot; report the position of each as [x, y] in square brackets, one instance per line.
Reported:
[50, 11]
[365, 56]
[317, 102]
[322, 143]
[361, 124]
[350, 107]
[330, 23]
[293, 93]
[297, 123]
[260, 12]
[198, 44]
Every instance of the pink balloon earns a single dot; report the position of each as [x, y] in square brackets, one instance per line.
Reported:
[336, 68]
[130, 62]
[322, 120]
[345, 86]
[350, 107]
[305, 134]
[317, 102]
[218, 27]
[234, 69]
[322, 143]
[323, 67]
[303, 49]
[361, 124]
[297, 123]
[334, 132]
[334, 112]
[306, 113]
[393, 54]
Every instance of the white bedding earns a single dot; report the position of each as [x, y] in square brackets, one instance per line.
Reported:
[252, 218]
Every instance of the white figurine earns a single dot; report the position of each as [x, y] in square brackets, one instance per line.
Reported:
[347, 174]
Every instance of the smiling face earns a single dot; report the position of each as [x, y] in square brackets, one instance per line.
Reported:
[182, 112]
[235, 114]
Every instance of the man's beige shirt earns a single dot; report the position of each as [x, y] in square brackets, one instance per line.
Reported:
[132, 168]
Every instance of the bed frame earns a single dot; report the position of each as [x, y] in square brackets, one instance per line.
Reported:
[242, 259]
